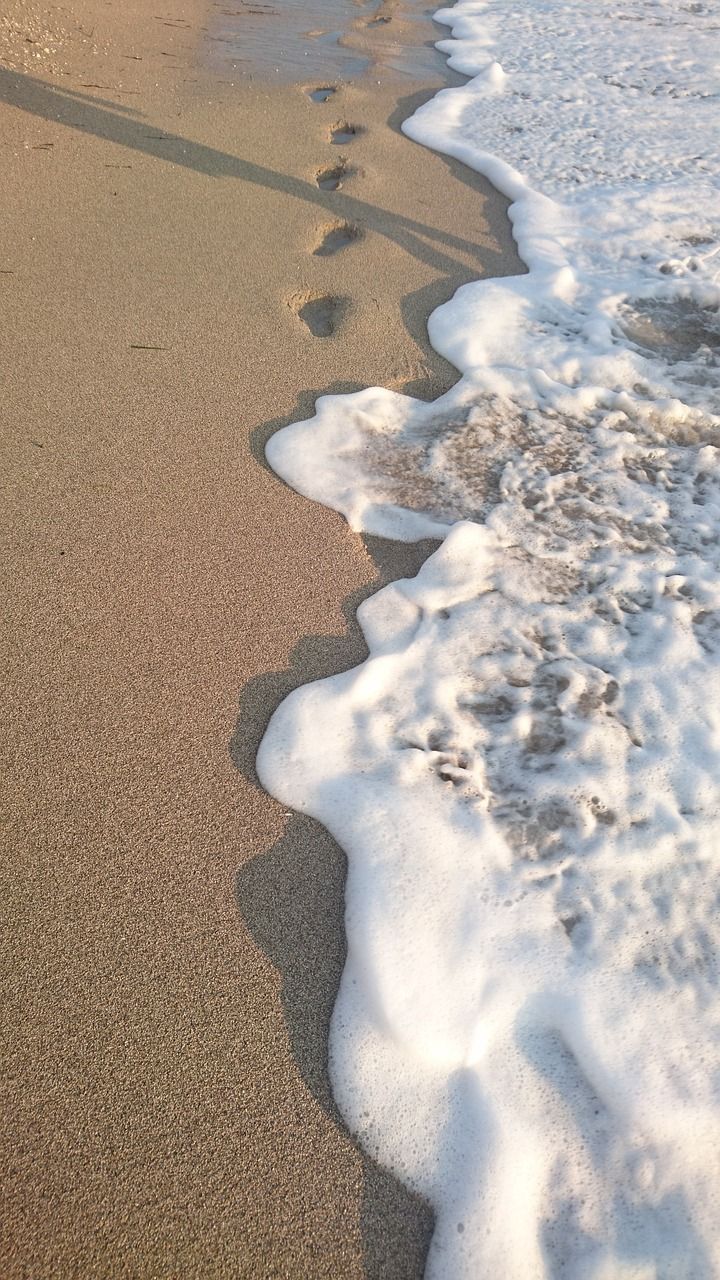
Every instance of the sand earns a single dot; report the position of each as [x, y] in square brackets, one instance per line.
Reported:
[173, 939]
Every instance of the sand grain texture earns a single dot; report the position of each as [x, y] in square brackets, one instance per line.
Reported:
[174, 940]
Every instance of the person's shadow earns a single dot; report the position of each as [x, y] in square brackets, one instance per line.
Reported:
[128, 128]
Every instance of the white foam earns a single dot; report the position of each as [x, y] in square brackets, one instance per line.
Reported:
[525, 772]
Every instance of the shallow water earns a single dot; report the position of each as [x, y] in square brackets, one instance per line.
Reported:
[290, 41]
[286, 41]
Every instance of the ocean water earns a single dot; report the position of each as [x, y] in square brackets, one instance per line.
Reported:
[525, 773]
[297, 40]
[286, 43]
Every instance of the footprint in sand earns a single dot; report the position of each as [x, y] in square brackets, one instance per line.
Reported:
[331, 179]
[335, 237]
[320, 312]
[322, 93]
[341, 133]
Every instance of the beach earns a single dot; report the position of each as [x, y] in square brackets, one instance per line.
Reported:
[174, 937]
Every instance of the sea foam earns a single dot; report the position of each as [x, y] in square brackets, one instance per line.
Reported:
[525, 773]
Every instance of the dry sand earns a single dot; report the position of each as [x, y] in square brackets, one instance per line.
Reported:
[173, 939]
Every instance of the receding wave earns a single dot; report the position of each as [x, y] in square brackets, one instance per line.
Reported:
[525, 773]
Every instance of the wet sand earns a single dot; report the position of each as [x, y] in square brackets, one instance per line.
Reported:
[174, 940]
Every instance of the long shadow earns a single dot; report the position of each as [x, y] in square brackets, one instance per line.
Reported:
[292, 900]
[495, 210]
[122, 126]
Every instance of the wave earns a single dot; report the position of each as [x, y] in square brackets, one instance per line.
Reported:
[525, 773]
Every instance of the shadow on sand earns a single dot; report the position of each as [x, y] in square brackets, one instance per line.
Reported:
[126, 127]
[292, 901]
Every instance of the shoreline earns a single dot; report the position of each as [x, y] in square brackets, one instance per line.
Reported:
[167, 1077]
[493, 768]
